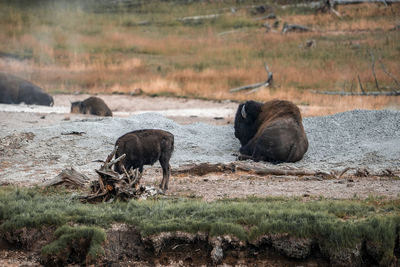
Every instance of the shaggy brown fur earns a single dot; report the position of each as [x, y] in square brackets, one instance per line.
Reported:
[145, 147]
[15, 90]
[92, 105]
[271, 131]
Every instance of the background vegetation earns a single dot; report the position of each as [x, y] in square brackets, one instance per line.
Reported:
[118, 46]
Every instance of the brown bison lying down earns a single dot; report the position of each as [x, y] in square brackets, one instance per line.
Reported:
[92, 105]
[15, 90]
[145, 147]
[271, 131]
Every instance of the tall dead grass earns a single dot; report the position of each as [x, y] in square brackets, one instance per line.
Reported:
[106, 53]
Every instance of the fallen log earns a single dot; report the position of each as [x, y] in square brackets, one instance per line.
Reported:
[206, 168]
[286, 172]
[199, 18]
[344, 93]
[353, 2]
[68, 178]
[257, 85]
[295, 28]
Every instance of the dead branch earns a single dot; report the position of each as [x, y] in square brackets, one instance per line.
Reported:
[370, 93]
[373, 71]
[353, 2]
[197, 19]
[257, 85]
[114, 186]
[73, 133]
[295, 28]
[68, 178]
[361, 86]
[389, 74]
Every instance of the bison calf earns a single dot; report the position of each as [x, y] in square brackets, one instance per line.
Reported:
[145, 147]
[92, 105]
[271, 131]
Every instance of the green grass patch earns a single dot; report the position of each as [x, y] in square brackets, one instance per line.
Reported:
[90, 238]
[336, 223]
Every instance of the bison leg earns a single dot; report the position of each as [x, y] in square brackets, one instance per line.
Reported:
[166, 173]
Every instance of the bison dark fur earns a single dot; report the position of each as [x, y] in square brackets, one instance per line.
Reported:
[271, 131]
[145, 147]
[92, 105]
[15, 90]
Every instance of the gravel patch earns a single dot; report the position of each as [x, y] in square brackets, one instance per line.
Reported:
[355, 139]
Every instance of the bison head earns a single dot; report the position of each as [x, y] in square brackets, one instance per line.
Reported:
[33, 95]
[245, 121]
[76, 107]
[44, 99]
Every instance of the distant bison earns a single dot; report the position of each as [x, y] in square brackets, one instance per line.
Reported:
[145, 147]
[92, 105]
[15, 90]
[271, 131]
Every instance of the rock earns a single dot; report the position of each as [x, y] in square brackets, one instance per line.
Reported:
[292, 247]
[217, 253]
[343, 256]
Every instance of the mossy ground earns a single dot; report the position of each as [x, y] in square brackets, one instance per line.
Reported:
[335, 223]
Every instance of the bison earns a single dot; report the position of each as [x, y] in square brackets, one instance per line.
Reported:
[145, 147]
[92, 105]
[271, 131]
[15, 90]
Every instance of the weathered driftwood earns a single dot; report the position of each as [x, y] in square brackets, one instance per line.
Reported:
[114, 186]
[68, 178]
[345, 93]
[286, 172]
[295, 28]
[353, 2]
[389, 74]
[373, 71]
[72, 133]
[257, 85]
[199, 18]
[206, 168]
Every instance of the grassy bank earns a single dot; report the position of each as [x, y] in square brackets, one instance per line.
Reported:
[159, 47]
[336, 224]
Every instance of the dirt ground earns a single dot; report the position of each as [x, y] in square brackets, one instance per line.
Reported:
[185, 111]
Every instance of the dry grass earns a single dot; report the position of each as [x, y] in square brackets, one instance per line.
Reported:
[105, 53]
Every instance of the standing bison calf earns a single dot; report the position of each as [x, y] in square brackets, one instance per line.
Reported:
[145, 147]
[271, 131]
[92, 105]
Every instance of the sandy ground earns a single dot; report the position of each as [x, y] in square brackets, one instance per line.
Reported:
[36, 145]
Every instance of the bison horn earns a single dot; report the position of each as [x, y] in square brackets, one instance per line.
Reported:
[244, 115]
